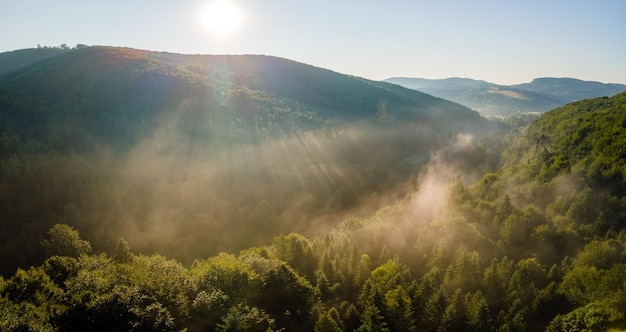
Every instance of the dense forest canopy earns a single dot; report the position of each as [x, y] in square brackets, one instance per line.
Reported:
[260, 210]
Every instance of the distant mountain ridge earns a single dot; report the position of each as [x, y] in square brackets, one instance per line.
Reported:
[571, 89]
[540, 95]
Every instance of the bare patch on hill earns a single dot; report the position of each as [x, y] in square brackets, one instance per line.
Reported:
[508, 93]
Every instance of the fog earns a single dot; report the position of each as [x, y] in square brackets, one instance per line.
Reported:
[190, 194]
[431, 200]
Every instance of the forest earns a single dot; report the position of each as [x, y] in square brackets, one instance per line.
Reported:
[389, 219]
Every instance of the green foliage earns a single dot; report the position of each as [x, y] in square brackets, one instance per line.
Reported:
[23, 317]
[244, 318]
[297, 251]
[60, 269]
[150, 293]
[477, 311]
[223, 284]
[225, 273]
[385, 299]
[584, 137]
[122, 252]
[30, 286]
[327, 323]
[602, 254]
[592, 317]
[65, 241]
[278, 280]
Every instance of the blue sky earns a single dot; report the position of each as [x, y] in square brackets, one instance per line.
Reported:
[504, 42]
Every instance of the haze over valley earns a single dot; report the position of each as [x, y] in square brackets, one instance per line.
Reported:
[210, 142]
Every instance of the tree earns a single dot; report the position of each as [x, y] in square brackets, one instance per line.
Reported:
[592, 317]
[244, 318]
[122, 252]
[60, 268]
[602, 254]
[22, 317]
[33, 286]
[326, 323]
[222, 283]
[277, 280]
[65, 241]
[476, 311]
[297, 251]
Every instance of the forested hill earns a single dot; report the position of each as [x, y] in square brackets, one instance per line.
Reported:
[188, 155]
[118, 94]
[587, 137]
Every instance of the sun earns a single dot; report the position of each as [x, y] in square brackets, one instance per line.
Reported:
[221, 17]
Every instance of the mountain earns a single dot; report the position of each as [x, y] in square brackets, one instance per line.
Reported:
[491, 99]
[112, 89]
[570, 89]
[190, 155]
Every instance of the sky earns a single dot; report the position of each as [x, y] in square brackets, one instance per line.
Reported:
[504, 42]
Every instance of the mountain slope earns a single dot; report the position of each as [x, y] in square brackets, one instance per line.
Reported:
[556, 203]
[586, 138]
[569, 165]
[491, 99]
[170, 150]
[115, 90]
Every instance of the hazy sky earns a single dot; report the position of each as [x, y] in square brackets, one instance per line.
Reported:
[504, 42]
